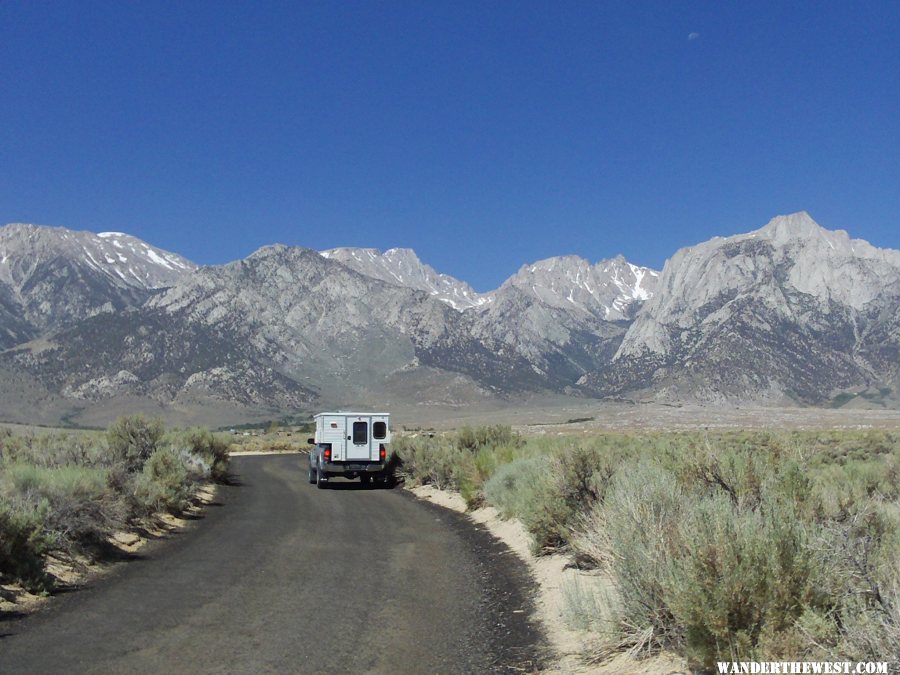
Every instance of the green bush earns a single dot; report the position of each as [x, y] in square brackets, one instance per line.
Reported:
[752, 544]
[514, 487]
[164, 484]
[486, 436]
[23, 546]
[77, 507]
[577, 479]
[634, 532]
[434, 461]
[717, 554]
[54, 449]
[132, 439]
[66, 493]
[211, 448]
[744, 581]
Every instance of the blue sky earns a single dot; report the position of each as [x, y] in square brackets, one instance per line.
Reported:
[482, 134]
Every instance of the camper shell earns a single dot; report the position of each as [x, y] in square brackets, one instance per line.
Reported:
[349, 444]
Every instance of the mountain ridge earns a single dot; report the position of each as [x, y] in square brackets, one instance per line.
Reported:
[789, 312]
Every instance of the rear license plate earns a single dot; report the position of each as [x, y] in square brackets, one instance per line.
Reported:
[356, 467]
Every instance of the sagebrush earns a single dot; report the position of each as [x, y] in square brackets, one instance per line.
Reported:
[66, 493]
[733, 545]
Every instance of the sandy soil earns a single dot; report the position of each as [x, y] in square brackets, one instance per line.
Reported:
[552, 573]
[76, 572]
[569, 415]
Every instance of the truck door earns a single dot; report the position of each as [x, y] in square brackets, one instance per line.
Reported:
[359, 433]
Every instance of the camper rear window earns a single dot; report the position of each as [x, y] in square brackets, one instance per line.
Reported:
[379, 430]
[360, 433]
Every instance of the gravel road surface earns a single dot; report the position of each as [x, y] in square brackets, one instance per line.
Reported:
[278, 576]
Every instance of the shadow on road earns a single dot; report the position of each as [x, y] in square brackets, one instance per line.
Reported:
[339, 484]
[232, 480]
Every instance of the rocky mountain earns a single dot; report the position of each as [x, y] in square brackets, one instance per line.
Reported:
[402, 267]
[791, 310]
[95, 325]
[50, 277]
[611, 290]
[565, 316]
[315, 317]
[279, 330]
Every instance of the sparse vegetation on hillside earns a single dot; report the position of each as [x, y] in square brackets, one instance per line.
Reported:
[716, 546]
[65, 494]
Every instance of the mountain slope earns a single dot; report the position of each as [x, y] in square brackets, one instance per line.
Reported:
[401, 266]
[611, 290]
[565, 316]
[317, 317]
[783, 311]
[50, 277]
[277, 330]
[108, 323]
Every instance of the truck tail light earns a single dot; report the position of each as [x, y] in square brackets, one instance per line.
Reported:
[327, 453]
[382, 453]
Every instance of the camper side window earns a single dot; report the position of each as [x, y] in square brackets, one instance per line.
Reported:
[379, 430]
[360, 433]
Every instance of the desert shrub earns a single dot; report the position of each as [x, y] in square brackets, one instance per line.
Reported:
[549, 493]
[432, 461]
[862, 552]
[743, 581]
[164, 484]
[716, 554]
[7, 441]
[516, 488]
[462, 461]
[578, 478]
[23, 545]
[584, 603]
[634, 532]
[133, 439]
[486, 436]
[210, 447]
[66, 493]
[77, 507]
[717, 544]
[53, 449]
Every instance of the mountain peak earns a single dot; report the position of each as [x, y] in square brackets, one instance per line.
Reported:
[799, 224]
[402, 252]
[611, 289]
[402, 267]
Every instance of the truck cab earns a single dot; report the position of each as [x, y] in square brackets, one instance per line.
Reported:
[350, 445]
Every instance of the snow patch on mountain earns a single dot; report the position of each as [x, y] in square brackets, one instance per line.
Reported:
[118, 256]
[611, 290]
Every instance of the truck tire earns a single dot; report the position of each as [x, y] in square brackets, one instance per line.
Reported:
[321, 481]
[312, 475]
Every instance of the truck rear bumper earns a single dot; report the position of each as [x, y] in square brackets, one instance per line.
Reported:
[337, 468]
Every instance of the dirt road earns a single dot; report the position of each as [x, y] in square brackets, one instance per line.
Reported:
[281, 577]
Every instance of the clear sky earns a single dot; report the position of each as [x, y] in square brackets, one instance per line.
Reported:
[482, 134]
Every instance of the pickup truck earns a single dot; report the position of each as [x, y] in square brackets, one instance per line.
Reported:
[350, 445]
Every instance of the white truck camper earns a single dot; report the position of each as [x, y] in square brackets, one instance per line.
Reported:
[349, 444]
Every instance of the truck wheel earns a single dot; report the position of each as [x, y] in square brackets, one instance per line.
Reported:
[312, 475]
[364, 479]
[321, 481]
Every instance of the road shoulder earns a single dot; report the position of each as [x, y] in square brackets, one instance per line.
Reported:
[73, 573]
[548, 575]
